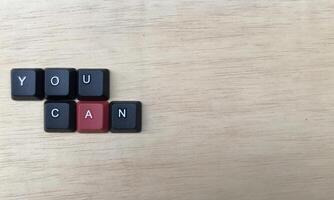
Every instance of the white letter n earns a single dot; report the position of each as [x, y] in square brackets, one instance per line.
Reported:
[121, 113]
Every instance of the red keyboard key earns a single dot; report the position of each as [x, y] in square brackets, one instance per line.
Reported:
[92, 116]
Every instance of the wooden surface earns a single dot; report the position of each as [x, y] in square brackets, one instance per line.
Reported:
[238, 99]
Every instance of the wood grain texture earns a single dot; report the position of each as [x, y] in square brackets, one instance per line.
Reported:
[238, 99]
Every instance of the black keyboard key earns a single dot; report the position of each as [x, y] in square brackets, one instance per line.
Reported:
[93, 84]
[125, 116]
[27, 84]
[59, 116]
[60, 83]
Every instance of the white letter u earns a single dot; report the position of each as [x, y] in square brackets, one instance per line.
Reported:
[84, 79]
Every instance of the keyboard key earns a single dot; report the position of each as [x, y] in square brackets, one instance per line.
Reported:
[27, 84]
[59, 116]
[93, 84]
[93, 116]
[125, 116]
[60, 83]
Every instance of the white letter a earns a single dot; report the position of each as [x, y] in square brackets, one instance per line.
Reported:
[88, 114]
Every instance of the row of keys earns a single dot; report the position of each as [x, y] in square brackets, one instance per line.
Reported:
[60, 84]
[92, 116]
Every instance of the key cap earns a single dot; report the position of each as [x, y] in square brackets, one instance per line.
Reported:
[59, 116]
[93, 116]
[60, 83]
[27, 84]
[125, 116]
[93, 84]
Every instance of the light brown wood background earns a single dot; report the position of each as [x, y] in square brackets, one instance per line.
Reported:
[238, 99]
